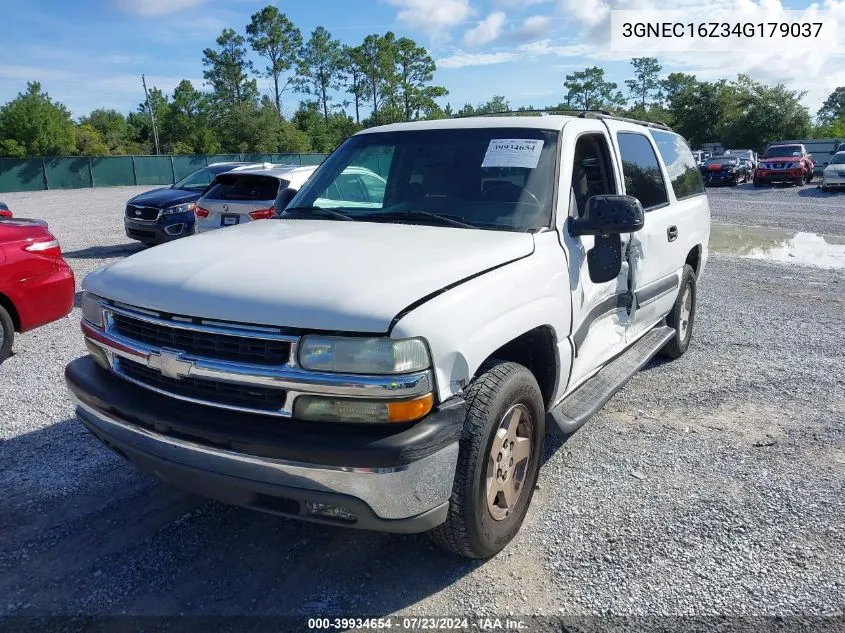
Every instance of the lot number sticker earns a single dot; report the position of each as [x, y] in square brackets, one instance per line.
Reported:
[513, 152]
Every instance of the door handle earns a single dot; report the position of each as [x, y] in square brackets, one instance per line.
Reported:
[672, 233]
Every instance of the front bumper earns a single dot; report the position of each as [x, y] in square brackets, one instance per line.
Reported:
[778, 175]
[165, 229]
[387, 480]
[833, 180]
[719, 178]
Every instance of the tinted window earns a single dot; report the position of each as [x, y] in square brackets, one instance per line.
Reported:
[244, 187]
[683, 170]
[492, 178]
[196, 181]
[838, 159]
[641, 171]
[592, 174]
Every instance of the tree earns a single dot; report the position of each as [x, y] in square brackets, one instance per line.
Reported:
[90, 142]
[187, 119]
[325, 135]
[833, 108]
[227, 70]
[319, 68]
[415, 70]
[36, 124]
[354, 68]
[645, 86]
[111, 128]
[589, 90]
[674, 84]
[379, 63]
[497, 104]
[272, 35]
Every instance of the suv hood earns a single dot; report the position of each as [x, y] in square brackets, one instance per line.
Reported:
[164, 197]
[311, 274]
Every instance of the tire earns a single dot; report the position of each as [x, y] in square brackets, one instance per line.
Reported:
[7, 334]
[809, 176]
[799, 182]
[757, 183]
[682, 318]
[501, 390]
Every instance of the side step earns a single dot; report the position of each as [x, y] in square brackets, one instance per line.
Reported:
[586, 400]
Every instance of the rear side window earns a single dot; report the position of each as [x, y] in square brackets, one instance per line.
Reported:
[643, 178]
[684, 174]
[245, 187]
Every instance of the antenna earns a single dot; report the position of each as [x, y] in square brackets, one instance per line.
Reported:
[152, 116]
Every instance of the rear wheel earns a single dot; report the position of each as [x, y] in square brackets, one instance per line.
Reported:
[682, 316]
[498, 463]
[809, 176]
[7, 334]
[757, 183]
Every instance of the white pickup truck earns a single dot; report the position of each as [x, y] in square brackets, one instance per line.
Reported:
[391, 356]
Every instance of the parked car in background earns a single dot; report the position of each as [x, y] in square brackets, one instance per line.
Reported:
[249, 194]
[748, 155]
[725, 170]
[165, 214]
[833, 176]
[784, 163]
[5, 212]
[36, 284]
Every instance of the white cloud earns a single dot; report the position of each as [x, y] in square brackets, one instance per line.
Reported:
[432, 16]
[533, 28]
[589, 12]
[156, 7]
[487, 30]
[519, 4]
[464, 60]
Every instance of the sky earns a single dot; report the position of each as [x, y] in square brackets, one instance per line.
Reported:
[91, 53]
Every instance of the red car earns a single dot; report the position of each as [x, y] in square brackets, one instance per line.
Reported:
[784, 163]
[4, 211]
[36, 284]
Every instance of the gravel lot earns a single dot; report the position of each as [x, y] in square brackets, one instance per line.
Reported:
[711, 485]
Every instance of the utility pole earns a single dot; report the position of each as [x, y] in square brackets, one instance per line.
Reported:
[152, 116]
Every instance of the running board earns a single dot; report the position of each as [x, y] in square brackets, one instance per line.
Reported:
[586, 400]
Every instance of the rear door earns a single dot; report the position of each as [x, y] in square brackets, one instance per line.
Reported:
[676, 217]
[234, 195]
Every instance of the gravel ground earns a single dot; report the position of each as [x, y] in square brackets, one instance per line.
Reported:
[710, 485]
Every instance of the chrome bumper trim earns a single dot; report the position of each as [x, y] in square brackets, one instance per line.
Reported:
[392, 493]
[290, 378]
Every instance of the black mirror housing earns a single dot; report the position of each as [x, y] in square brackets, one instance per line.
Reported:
[609, 215]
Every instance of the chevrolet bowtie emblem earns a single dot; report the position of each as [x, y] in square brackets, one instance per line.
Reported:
[170, 364]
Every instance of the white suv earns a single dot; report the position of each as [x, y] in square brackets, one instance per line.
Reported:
[247, 194]
[393, 360]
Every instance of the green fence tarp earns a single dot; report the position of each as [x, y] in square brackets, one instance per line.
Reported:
[72, 172]
[21, 174]
[67, 173]
[184, 165]
[112, 171]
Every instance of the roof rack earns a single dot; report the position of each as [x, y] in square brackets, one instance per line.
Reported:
[582, 114]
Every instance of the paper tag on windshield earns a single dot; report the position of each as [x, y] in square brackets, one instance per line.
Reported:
[513, 152]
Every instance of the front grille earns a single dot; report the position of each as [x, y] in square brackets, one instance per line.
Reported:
[239, 349]
[146, 214]
[229, 394]
[141, 235]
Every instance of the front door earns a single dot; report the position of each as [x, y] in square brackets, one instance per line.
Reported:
[600, 311]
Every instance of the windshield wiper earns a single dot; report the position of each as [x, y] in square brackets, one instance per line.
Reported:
[443, 219]
[318, 210]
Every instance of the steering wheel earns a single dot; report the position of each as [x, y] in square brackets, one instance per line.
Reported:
[485, 195]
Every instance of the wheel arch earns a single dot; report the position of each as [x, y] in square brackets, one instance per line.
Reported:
[6, 302]
[694, 258]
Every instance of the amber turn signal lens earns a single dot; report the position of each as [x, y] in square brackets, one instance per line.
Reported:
[410, 410]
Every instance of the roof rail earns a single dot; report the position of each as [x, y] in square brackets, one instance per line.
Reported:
[582, 114]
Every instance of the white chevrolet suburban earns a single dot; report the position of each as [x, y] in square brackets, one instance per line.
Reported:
[394, 360]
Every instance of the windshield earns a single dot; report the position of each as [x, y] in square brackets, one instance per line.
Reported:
[196, 181]
[783, 150]
[490, 178]
[838, 159]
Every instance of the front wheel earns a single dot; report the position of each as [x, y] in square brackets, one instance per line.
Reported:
[809, 176]
[498, 462]
[682, 316]
[7, 334]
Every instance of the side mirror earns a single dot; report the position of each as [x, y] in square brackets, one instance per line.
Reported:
[609, 215]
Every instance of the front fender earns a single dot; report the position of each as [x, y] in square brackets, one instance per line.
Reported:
[466, 324]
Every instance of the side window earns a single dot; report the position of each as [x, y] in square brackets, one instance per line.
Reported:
[374, 187]
[684, 174]
[643, 178]
[592, 170]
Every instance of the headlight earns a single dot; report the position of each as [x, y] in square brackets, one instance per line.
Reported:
[363, 355]
[179, 208]
[327, 409]
[92, 308]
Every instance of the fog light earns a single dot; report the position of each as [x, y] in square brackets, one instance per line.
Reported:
[330, 512]
[99, 354]
[322, 409]
[174, 229]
